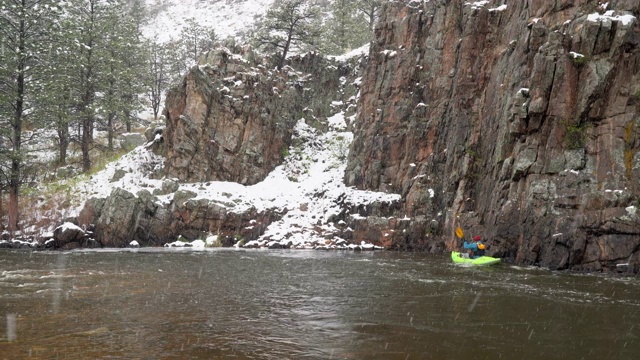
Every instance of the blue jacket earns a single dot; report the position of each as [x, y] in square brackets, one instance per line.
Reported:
[473, 246]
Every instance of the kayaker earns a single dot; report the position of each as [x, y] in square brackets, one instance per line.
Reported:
[476, 247]
[481, 246]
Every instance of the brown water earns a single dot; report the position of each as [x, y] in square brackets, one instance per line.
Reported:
[236, 304]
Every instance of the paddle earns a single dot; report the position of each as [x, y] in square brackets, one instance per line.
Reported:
[460, 235]
[459, 232]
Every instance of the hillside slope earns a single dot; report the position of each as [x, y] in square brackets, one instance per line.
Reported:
[229, 18]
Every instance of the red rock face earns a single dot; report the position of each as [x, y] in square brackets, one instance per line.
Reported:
[217, 130]
[231, 121]
[521, 125]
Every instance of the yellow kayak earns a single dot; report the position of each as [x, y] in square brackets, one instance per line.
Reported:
[481, 261]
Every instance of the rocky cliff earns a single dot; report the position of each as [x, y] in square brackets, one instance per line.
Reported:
[231, 120]
[518, 121]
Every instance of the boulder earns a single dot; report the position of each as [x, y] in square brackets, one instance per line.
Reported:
[68, 235]
[117, 222]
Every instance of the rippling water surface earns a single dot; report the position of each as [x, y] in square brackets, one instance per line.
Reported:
[237, 304]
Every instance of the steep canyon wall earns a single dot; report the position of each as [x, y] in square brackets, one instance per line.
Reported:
[517, 122]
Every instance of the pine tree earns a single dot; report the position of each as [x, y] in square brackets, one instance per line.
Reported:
[87, 34]
[371, 10]
[159, 76]
[122, 66]
[58, 102]
[108, 68]
[346, 28]
[195, 40]
[136, 61]
[179, 60]
[137, 10]
[26, 31]
[189, 37]
[167, 63]
[288, 24]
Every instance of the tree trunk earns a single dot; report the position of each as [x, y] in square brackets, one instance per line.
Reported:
[86, 129]
[110, 117]
[87, 139]
[63, 142]
[127, 112]
[13, 209]
[156, 109]
[87, 79]
[371, 13]
[372, 19]
[286, 49]
[86, 125]
[127, 119]
[14, 176]
[1, 211]
[155, 95]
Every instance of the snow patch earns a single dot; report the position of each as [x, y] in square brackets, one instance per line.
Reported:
[361, 51]
[198, 244]
[228, 19]
[337, 122]
[626, 19]
[389, 53]
[499, 8]
[69, 226]
[307, 188]
[477, 4]
[212, 239]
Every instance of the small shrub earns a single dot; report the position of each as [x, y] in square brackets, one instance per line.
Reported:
[578, 59]
[473, 154]
[575, 136]
[630, 139]
[285, 152]
[101, 162]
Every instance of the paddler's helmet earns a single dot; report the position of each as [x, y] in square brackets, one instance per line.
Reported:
[476, 238]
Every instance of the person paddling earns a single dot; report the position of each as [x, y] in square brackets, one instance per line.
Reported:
[476, 247]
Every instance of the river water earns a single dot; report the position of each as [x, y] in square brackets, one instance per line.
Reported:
[241, 304]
